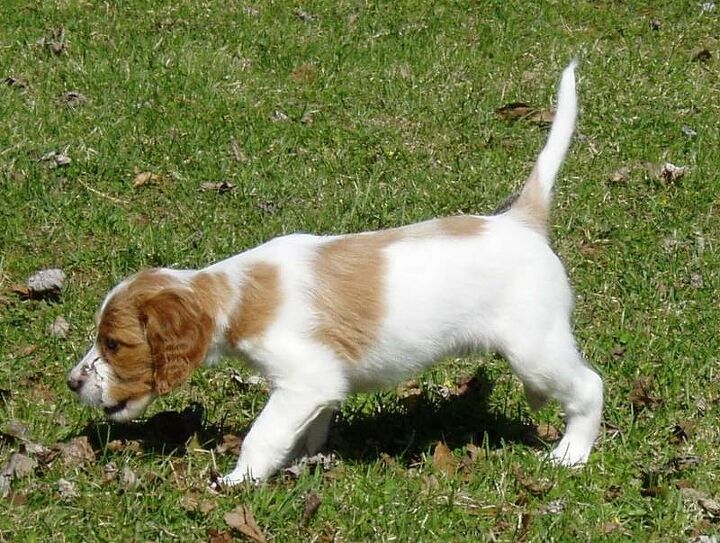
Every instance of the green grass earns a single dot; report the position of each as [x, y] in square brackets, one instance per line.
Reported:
[390, 119]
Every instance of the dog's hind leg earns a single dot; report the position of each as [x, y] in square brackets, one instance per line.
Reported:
[551, 367]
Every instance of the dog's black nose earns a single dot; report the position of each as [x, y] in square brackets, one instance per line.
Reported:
[74, 383]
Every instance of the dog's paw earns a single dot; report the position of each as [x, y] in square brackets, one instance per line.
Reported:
[569, 454]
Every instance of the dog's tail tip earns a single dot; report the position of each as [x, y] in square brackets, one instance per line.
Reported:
[535, 198]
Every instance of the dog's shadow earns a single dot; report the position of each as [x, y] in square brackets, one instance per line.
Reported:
[403, 427]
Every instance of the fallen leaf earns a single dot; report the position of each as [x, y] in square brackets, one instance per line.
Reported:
[547, 433]
[110, 471]
[554, 507]
[144, 179]
[408, 388]
[671, 173]
[305, 73]
[609, 527]
[621, 175]
[708, 504]
[54, 159]
[320, 460]
[641, 395]
[77, 451]
[444, 460]
[17, 82]
[689, 131]
[242, 520]
[221, 187]
[72, 99]
[55, 42]
[67, 489]
[128, 479]
[237, 151]
[467, 384]
[58, 328]
[304, 16]
[613, 492]
[701, 55]
[681, 463]
[279, 116]
[220, 537]
[533, 486]
[312, 504]
[230, 443]
[682, 431]
[521, 111]
[46, 283]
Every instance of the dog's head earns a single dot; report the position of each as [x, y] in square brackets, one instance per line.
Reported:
[152, 331]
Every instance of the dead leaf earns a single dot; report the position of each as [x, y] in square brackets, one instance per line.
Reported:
[55, 42]
[467, 384]
[304, 16]
[54, 159]
[547, 433]
[220, 537]
[312, 504]
[110, 471]
[305, 73]
[77, 451]
[72, 99]
[609, 527]
[408, 388]
[128, 479]
[701, 55]
[681, 463]
[279, 116]
[17, 82]
[682, 431]
[144, 179]
[67, 489]
[613, 492]
[621, 175]
[242, 520]
[533, 486]
[221, 187]
[444, 460]
[708, 504]
[671, 173]
[237, 151]
[320, 460]
[641, 395]
[58, 328]
[521, 111]
[230, 443]
[46, 283]
[554, 507]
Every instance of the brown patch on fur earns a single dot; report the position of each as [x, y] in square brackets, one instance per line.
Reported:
[531, 205]
[154, 332]
[260, 299]
[461, 226]
[348, 297]
[213, 290]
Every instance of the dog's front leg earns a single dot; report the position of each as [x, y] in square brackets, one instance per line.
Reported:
[275, 436]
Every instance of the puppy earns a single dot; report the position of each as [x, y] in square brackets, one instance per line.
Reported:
[325, 316]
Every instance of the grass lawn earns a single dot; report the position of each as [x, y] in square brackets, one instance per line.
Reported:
[184, 132]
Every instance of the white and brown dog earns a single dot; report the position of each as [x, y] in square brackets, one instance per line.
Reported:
[325, 316]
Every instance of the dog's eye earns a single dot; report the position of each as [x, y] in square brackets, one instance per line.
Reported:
[111, 344]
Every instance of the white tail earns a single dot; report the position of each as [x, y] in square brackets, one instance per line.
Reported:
[533, 203]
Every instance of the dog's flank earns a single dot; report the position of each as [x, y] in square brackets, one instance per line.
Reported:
[325, 316]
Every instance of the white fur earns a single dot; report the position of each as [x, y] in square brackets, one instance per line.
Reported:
[502, 290]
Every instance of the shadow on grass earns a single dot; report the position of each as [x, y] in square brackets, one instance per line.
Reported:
[402, 427]
[165, 433]
[407, 427]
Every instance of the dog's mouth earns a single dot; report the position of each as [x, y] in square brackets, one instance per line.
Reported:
[114, 409]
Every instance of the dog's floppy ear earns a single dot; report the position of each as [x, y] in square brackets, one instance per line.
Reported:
[178, 331]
